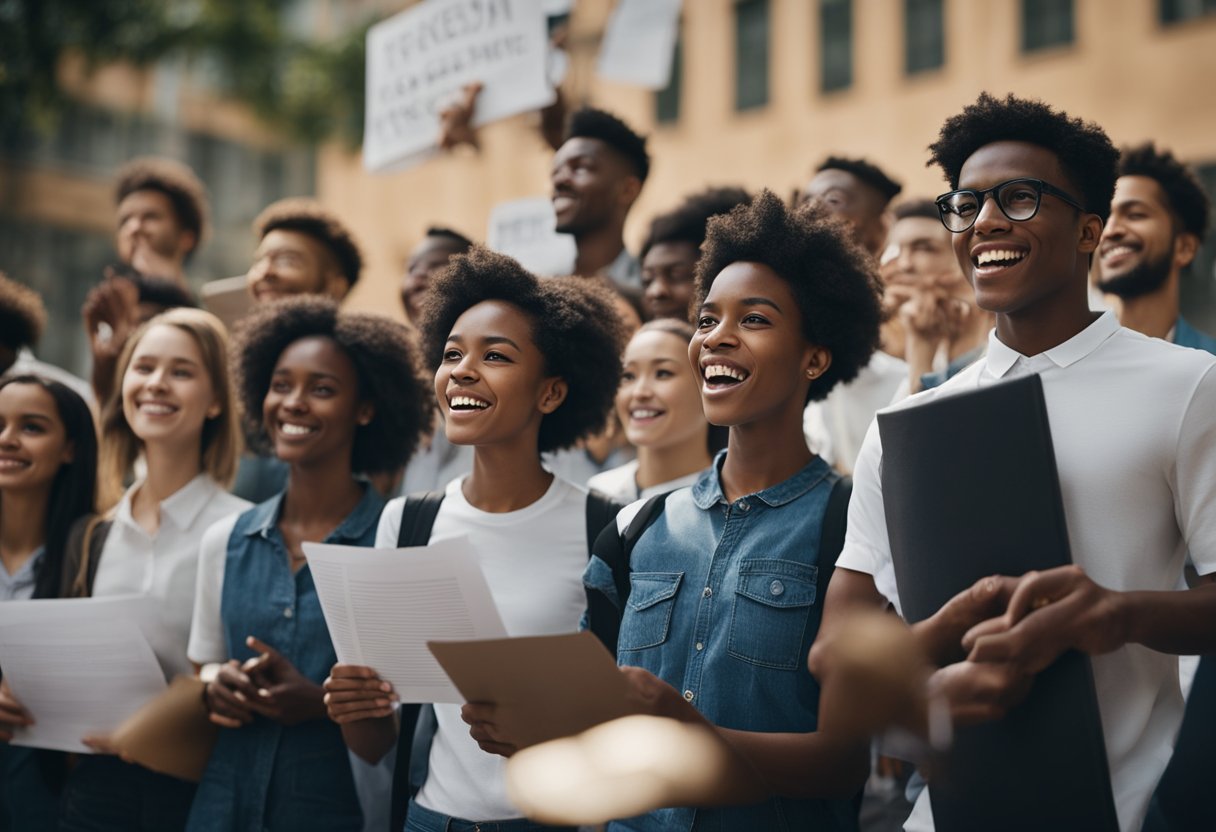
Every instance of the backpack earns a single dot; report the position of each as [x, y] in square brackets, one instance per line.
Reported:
[417, 721]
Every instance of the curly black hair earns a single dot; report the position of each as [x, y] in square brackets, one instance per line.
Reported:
[1185, 194]
[686, 223]
[461, 242]
[867, 172]
[833, 280]
[22, 314]
[385, 358]
[176, 181]
[590, 123]
[921, 208]
[1083, 148]
[308, 216]
[574, 325]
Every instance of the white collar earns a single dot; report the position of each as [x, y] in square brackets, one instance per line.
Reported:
[180, 508]
[1001, 358]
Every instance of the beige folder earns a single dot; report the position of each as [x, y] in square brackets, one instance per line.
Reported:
[171, 734]
[545, 687]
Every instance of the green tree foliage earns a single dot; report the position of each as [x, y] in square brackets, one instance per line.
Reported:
[308, 89]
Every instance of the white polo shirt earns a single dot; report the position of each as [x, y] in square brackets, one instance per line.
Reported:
[1133, 423]
[164, 566]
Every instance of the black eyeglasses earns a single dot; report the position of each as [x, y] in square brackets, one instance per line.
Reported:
[1018, 200]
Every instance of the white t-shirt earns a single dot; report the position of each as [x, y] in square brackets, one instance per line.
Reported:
[1133, 427]
[836, 426]
[621, 483]
[164, 566]
[533, 560]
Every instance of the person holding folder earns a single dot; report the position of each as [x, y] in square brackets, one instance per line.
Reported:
[523, 366]
[48, 479]
[1031, 189]
[725, 585]
[334, 395]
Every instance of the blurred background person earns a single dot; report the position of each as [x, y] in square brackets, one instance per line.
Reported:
[22, 323]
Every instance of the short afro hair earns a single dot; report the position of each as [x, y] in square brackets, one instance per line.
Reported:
[173, 179]
[590, 123]
[458, 240]
[686, 223]
[22, 314]
[307, 216]
[867, 172]
[925, 209]
[1185, 194]
[385, 359]
[833, 280]
[1083, 148]
[574, 325]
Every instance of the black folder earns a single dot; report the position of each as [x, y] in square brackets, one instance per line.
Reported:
[970, 489]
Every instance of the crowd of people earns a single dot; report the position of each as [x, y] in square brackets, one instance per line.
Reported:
[660, 448]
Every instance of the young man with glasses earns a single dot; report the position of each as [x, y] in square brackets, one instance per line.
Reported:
[1134, 432]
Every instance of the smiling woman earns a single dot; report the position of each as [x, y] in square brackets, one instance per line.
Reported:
[335, 396]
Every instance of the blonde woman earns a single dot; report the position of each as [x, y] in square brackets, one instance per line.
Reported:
[174, 407]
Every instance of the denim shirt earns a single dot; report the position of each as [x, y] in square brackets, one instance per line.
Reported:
[725, 601]
[265, 775]
[1186, 335]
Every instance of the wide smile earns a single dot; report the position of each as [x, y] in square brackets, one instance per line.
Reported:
[294, 431]
[464, 404]
[12, 463]
[156, 408]
[563, 203]
[642, 416]
[995, 259]
[1115, 256]
[719, 375]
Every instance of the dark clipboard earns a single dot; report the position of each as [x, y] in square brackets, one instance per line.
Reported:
[970, 489]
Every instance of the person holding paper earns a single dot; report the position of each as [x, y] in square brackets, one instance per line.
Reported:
[174, 408]
[523, 366]
[726, 583]
[48, 477]
[335, 396]
[1032, 188]
[659, 405]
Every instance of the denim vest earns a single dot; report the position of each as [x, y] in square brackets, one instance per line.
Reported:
[724, 605]
[267, 776]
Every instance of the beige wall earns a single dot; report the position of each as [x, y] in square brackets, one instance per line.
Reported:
[1124, 71]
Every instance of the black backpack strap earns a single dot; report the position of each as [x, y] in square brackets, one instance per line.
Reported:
[835, 521]
[417, 721]
[601, 511]
[616, 549]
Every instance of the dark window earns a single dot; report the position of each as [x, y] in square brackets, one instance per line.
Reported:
[1177, 11]
[1046, 23]
[751, 54]
[667, 100]
[924, 35]
[835, 44]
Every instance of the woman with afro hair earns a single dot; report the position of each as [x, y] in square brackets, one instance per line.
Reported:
[337, 397]
[726, 580]
[522, 366]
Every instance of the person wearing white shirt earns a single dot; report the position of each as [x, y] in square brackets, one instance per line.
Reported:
[174, 408]
[659, 404]
[523, 366]
[1136, 459]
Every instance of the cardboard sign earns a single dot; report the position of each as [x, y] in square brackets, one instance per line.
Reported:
[526, 230]
[418, 61]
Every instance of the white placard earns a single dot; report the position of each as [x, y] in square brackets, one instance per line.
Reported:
[418, 61]
[526, 230]
[639, 43]
[383, 605]
[80, 666]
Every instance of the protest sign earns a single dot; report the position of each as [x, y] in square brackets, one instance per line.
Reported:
[639, 43]
[418, 61]
[526, 230]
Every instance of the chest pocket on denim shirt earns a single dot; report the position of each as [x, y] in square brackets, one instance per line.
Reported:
[652, 595]
[773, 600]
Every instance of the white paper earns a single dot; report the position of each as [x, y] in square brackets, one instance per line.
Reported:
[418, 62]
[79, 666]
[383, 605]
[639, 43]
[526, 229]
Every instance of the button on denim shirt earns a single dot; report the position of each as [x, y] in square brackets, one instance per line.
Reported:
[266, 775]
[725, 601]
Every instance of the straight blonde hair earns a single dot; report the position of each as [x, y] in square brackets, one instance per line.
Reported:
[221, 441]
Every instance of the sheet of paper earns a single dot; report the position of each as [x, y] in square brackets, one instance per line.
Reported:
[418, 61]
[383, 605]
[545, 687]
[526, 229]
[639, 43]
[80, 666]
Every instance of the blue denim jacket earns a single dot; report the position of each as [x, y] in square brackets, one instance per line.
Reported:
[724, 604]
[267, 776]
